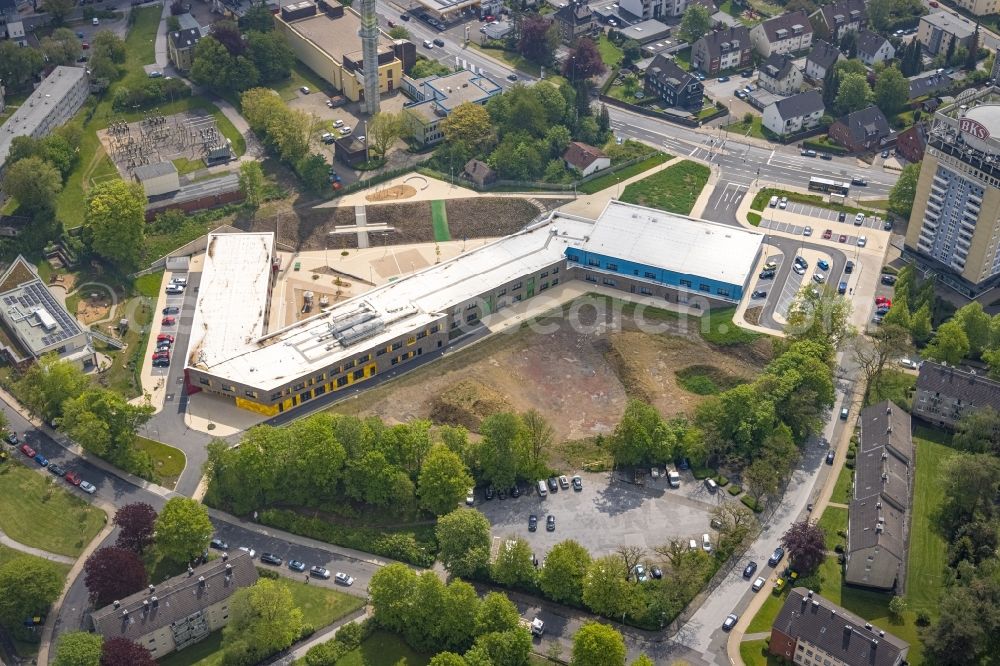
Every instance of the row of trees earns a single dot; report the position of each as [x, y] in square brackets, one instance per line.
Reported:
[82, 648]
[603, 585]
[100, 420]
[846, 88]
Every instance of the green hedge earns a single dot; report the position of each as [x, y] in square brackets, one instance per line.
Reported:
[825, 147]
[751, 504]
[753, 219]
[734, 490]
[702, 473]
[722, 481]
[416, 546]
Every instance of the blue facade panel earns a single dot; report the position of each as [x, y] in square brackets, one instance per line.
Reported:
[694, 284]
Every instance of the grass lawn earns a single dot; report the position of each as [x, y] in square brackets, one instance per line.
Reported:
[186, 166]
[40, 511]
[753, 219]
[842, 489]
[514, 60]
[675, 189]
[894, 385]
[763, 197]
[718, 328]
[755, 128]
[383, 649]
[207, 652]
[611, 54]
[149, 285]
[607, 180]
[321, 605]
[301, 76]
[928, 549]
[834, 519]
[683, 59]
[754, 653]
[167, 461]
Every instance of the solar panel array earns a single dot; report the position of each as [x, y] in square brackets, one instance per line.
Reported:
[34, 295]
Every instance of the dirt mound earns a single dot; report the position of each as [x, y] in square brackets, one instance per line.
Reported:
[466, 404]
[619, 352]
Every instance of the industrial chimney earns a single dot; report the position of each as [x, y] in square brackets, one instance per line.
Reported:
[369, 54]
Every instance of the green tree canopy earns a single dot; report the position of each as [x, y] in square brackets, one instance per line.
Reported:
[497, 613]
[562, 576]
[30, 585]
[904, 191]
[183, 529]
[464, 539]
[104, 423]
[34, 182]
[892, 91]
[853, 94]
[695, 23]
[48, 384]
[950, 343]
[263, 620]
[115, 221]
[606, 591]
[79, 648]
[443, 480]
[597, 644]
[514, 566]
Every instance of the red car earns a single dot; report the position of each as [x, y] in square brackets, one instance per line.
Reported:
[843, 238]
[828, 234]
[161, 355]
[164, 336]
[933, 4]
[28, 451]
[488, 18]
[882, 300]
[73, 477]
[168, 321]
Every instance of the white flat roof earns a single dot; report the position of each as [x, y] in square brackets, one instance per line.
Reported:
[232, 297]
[226, 336]
[675, 242]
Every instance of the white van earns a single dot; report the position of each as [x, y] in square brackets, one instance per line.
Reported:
[542, 490]
[773, 202]
[711, 485]
[706, 543]
[692, 544]
[674, 478]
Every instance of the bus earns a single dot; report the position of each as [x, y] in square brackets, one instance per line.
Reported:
[829, 186]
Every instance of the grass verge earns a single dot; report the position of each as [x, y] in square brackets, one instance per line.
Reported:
[760, 202]
[754, 653]
[894, 385]
[37, 511]
[168, 462]
[675, 189]
[928, 553]
[753, 219]
[754, 128]
[611, 54]
[383, 649]
[607, 180]
[833, 520]
[843, 488]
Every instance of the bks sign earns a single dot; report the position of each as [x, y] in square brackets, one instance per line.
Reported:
[973, 127]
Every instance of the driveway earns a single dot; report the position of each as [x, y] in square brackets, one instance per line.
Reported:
[606, 514]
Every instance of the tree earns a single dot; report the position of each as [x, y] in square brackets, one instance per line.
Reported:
[390, 591]
[123, 652]
[640, 436]
[136, 524]
[496, 613]
[183, 529]
[464, 539]
[48, 383]
[955, 638]
[447, 659]
[539, 38]
[263, 619]
[596, 644]
[35, 183]
[606, 590]
[642, 660]
[879, 12]
[972, 54]
[104, 423]
[501, 648]
[903, 192]
[384, 130]
[538, 435]
[399, 32]
[761, 479]
[631, 556]
[18, 65]
[62, 47]
[695, 23]
[443, 480]
[806, 544]
[115, 221]
[950, 344]
[820, 317]
[78, 648]
[514, 565]
[503, 448]
[59, 10]
[113, 573]
[631, 51]
[830, 82]
[257, 18]
[886, 342]
[949, 54]
[271, 55]
[853, 93]
[584, 61]
[897, 606]
[108, 44]
[252, 183]
[920, 324]
[892, 91]
[561, 578]
[976, 431]
[30, 585]
[469, 126]
[976, 325]
[314, 172]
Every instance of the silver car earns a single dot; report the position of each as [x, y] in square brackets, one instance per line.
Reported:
[343, 579]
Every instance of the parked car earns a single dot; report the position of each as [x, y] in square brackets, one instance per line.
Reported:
[28, 451]
[859, 219]
[470, 497]
[706, 543]
[830, 455]
[161, 363]
[490, 493]
[305, 90]
[807, 231]
[164, 336]
[808, 153]
[885, 153]
[553, 484]
[656, 572]
[759, 293]
[161, 356]
[515, 491]
[343, 579]
[550, 523]
[908, 363]
[73, 477]
[249, 551]
[823, 264]
[88, 487]
[841, 216]
[825, 156]
[319, 572]
[862, 241]
[218, 544]
[749, 569]
[428, 44]
[888, 279]
[767, 275]
[439, 42]
[296, 565]
[577, 483]
[730, 621]
[168, 321]
[640, 574]
[783, 203]
[57, 470]
[842, 287]
[171, 310]
[532, 523]
[11, 438]
[723, 79]
[174, 289]
[800, 270]
[563, 482]
[776, 556]
[770, 265]
[799, 261]
[849, 267]
[843, 238]
[828, 234]
[887, 225]
[404, 17]
[270, 558]
[758, 584]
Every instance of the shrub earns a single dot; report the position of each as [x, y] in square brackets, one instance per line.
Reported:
[702, 473]
[851, 454]
[151, 93]
[849, 463]
[268, 573]
[923, 618]
[839, 548]
[325, 654]
[751, 504]
[722, 481]
[351, 635]
[734, 490]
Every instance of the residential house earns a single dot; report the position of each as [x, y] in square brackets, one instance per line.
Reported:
[980, 7]
[574, 20]
[675, 87]
[938, 30]
[585, 159]
[722, 50]
[33, 322]
[815, 631]
[842, 17]
[180, 47]
[794, 114]
[437, 96]
[929, 83]
[945, 393]
[911, 143]
[479, 172]
[822, 57]
[862, 130]
[779, 75]
[873, 48]
[879, 510]
[788, 33]
[180, 611]
[646, 31]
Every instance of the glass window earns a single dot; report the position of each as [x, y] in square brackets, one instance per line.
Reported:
[612, 267]
[704, 287]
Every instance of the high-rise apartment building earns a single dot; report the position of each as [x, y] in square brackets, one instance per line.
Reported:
[955, 224]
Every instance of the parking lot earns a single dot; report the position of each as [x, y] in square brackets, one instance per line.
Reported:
[819, 213]
[605, 515]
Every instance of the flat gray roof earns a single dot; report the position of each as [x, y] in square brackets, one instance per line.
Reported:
[957, 26]
[147, 171]
[36, 318]
[337, 37]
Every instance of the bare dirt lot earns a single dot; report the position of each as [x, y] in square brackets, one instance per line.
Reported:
[579, 380]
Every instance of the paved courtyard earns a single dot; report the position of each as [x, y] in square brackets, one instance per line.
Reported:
[606, 515]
